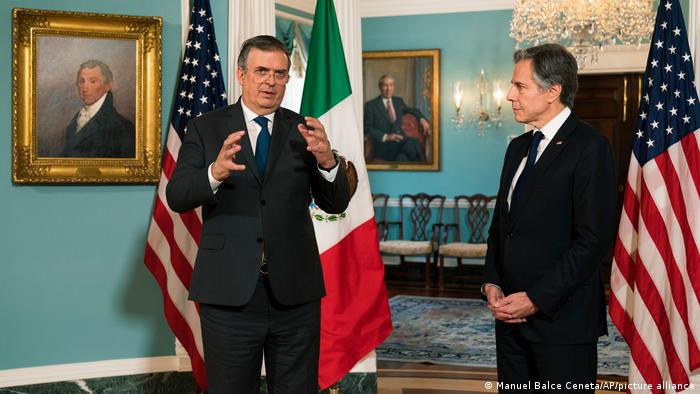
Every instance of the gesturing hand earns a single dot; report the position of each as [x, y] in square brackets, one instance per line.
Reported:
[317, 142]
[225, 161]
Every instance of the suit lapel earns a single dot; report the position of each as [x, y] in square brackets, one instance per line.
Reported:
[280, 130]
[519, 151]
[554, 148]
[236, 121]
[91, 127]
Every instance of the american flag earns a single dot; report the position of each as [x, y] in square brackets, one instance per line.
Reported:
[173, 238]
[655, 282]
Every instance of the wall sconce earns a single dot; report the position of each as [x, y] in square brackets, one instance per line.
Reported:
[457, 95]
[487, 108]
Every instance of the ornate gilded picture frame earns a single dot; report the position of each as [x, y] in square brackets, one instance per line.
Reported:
[86, 97]
[402, 109]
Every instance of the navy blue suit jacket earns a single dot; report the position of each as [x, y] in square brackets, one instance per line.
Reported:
[553, 245]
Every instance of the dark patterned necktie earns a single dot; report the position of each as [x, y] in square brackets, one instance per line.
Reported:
[531, 158]
[262, 146]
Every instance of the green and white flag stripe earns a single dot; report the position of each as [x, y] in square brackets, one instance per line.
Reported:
[327, 82]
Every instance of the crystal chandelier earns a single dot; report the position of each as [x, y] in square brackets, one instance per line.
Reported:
[585, 26]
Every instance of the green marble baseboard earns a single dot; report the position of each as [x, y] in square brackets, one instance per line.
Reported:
[167, 383]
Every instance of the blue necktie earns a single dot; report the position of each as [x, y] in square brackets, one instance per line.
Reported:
[262, 146]
[531, 157]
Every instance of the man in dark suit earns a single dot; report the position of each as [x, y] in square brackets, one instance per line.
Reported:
[98, 130]
[382, 124]
[553, 223]
[254, 168]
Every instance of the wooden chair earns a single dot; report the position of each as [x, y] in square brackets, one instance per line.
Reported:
[420, 215]
[471, 216]
[380, 201]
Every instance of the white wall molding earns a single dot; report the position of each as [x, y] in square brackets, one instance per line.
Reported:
[308, 6]
[295, 18]
[88, 370]
[375, 8]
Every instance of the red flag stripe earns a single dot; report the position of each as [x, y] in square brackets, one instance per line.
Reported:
[688, 167]
[175, 319]
[346, 313]
[691, 150]
[652, 320]
[662, 232]
[649, 293]
[630, 203]
[184, 226]
[190, 219]
[641, 357]
[670, 177]
[179, 262]
[168, 164]
[178, 291]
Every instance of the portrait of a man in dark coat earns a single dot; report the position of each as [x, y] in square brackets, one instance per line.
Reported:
[97, 130]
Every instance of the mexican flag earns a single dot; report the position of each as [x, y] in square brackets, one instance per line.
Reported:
[355, 316]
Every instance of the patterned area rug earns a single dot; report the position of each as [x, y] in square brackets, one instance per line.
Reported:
[460, 332]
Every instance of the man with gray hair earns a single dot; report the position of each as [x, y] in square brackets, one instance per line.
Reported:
[98, 130]
[553, 223]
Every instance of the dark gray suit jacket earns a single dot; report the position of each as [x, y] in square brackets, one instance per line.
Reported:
[553, 245]
[250, 213]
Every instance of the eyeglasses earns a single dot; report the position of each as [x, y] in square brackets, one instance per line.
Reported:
[263, 74]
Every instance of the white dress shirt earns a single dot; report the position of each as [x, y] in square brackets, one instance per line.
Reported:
[254, 130]
[549, 130]
[88, 111]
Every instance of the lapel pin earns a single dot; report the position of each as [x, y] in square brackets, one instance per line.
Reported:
[560, 142]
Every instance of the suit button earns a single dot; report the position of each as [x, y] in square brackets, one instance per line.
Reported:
[259, 240]
[263, 202]
[510, 235]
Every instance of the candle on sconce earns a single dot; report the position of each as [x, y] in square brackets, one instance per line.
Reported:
[498, 95]
[458, 94]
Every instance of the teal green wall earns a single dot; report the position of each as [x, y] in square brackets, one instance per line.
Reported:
[73, 287]
[468, 42]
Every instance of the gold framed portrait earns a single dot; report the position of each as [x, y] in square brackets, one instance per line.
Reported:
[402, 109]
[86, 97]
